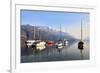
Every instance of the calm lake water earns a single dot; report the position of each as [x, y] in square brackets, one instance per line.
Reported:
[68, 53]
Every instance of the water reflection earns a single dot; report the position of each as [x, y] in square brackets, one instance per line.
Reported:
[81, 48]
[71, 52]
[82, 56]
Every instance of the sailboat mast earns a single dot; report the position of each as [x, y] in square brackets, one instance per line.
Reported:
[39, 35]
[60, 31]
[81, 31]
[34, 32]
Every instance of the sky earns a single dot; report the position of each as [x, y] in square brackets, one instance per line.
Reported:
[70, 21]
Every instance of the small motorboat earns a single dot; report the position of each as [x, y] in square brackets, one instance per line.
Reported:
[41, 45]
[29, 43]
[50, 43]
[66, 42]
[60, 44]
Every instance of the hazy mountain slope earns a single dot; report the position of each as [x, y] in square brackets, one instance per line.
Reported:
[43, 33]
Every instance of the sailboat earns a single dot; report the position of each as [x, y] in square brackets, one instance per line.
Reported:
[66, 42]
[81, 43]
[40, 45]
[50, 42]
[36, 44]
[29, 43]
[61, 42]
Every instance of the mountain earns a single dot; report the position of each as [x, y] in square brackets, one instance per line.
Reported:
[29, 32]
